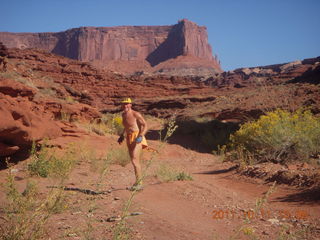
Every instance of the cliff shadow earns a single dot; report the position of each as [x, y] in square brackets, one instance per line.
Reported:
[14, 158]
[312, 75]
[67, 45]
[203, 137]
[170, 48]
[305, 196]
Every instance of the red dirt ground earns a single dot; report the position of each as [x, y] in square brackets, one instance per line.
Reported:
[212, 206]
[174, 210]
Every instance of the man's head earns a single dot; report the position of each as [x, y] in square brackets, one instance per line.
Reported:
[126, 104]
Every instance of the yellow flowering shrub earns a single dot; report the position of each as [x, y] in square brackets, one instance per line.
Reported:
[113, 122]
[280, 136]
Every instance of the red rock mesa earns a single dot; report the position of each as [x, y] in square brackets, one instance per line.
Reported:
[182, 48]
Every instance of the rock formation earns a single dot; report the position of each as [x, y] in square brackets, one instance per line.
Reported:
[21, 123]
[40, 93]
[133, 48]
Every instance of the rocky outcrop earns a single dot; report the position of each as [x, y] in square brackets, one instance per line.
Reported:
[307, 70]
[3, 50]
[122, 46]
[21, 123]
[161, 95]
[30, 113]
[41, 92]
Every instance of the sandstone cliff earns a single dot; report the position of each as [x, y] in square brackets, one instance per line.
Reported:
[38, 89]
[125, 48]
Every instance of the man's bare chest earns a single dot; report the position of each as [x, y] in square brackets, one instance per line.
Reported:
[129, 119]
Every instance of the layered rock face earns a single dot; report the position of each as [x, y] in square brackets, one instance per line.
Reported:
[144, 46]
[21, 122]
[38, 89]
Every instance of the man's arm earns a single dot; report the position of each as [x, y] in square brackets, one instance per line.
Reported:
[141, 123]
[121, 136]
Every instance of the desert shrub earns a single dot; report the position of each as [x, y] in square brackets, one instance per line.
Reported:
[118, 156]
[17, 77]
[25, 214]
[47, 91]
[279, 136]
[113, 123]
[46, 162]
[64, 116]
[108, 124]
[220, 152]
[97, 127]
[122, 231]
[40, 162]
[70, 99]
[183, 176]
[168, 174]
[170, 127]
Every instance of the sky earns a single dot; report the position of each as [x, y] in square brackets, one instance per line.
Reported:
[243, 33]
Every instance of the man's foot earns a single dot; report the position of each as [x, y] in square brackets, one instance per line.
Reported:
[138, 187]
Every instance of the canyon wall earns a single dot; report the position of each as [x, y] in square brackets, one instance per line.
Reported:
[104, 45]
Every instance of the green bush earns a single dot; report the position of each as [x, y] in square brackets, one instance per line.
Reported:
[119, 156]
[107, 124]
[167, 174]
[46, 163]
[113, 122]
[279, 136]
[26, 213]
[183, 176]
[40, 163]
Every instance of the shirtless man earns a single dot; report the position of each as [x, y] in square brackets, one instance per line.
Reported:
[135, 128]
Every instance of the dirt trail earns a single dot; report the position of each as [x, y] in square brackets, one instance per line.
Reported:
[212, 206]
[190, 209]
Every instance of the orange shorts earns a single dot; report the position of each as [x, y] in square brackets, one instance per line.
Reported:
[131, 139]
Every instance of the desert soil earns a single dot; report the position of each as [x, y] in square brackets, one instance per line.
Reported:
[212, 206]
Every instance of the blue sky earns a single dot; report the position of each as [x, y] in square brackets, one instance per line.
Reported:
[243, 33]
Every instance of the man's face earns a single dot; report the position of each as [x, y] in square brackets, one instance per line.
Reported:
[125, 106]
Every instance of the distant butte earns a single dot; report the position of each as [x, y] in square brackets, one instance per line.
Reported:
[180, 49]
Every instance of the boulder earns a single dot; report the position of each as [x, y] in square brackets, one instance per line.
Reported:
[21, 121]
[290, 65]
[6, 150]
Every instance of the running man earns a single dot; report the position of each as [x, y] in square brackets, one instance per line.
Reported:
[135, 128]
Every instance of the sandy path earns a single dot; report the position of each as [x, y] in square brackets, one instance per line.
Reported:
[186, 210]
[176, 210]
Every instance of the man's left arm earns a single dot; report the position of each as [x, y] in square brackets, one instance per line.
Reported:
[142, 124]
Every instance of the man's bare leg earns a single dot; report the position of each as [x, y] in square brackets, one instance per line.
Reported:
[135, 159]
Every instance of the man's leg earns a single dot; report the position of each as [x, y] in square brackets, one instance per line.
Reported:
[134, 152]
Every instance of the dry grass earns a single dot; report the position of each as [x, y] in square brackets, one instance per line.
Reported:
[107, 124]
[46, 162]
[166, 173]
[25, 214]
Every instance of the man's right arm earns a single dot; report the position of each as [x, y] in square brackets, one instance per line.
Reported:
[121, 137]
